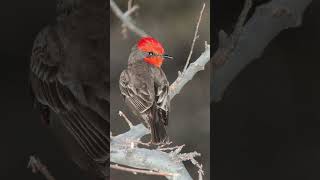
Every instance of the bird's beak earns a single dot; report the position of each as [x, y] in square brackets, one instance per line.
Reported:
[167, 56]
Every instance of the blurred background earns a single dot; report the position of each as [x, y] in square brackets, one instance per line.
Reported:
[21, 132]
[267, 126]
[173, 24]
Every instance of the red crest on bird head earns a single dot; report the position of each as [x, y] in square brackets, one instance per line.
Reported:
[149, 44]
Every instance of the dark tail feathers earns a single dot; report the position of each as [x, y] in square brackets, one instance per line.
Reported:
[158, 130]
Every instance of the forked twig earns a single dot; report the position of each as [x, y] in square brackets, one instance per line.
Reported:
[126, 19]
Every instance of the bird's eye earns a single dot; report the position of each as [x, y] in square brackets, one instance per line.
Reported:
[150, 53]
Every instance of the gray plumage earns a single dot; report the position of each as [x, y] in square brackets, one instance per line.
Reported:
[145, 91]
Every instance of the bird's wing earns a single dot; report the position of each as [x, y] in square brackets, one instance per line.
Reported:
[136, 92]
[90, 130]
[43, 72]
[162, 98]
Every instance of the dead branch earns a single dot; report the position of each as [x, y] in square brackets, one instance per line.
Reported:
[36, 166]
[187, 75]
[140, 171]
[248, 40]
[125, 152]
[196, 36]
[126, 20]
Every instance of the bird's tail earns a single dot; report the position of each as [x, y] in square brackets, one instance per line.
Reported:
[158, 130]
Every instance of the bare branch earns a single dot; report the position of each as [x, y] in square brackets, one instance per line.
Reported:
[161, 148]
[126, 20]
[130, 2]
[131, 10]
[126, 119]
[239, 26]
[248, 41]
[194, 38]
[141, 158]
[228, 43]
[36, 166]
[188, 74]
[190, 70]
[141, 171]
[191, 156]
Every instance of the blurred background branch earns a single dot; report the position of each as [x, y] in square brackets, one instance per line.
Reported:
[125, 18]
[249, 39]
[37, 166]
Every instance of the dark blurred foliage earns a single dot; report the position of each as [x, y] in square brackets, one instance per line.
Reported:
[267, 125]
[173, 24]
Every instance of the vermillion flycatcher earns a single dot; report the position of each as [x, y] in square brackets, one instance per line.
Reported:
[145, 87]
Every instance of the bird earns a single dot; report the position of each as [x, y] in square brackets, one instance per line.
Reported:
[144, 87]
[69, 85]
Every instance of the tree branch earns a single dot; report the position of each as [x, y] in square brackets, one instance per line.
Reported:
[248, 41]
[126, 20]
[188, 74]
[123, 152]
[36, 166]
[190, 70]
[194, 38]
[141, 171]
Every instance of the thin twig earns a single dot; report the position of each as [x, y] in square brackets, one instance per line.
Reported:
[131, 10]
[194, 38]
[126, 20]
[141, 171]
[130, 2]
[142, 143]
[126, 119]
[243, 15]
[170, 148]
[36, 166]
